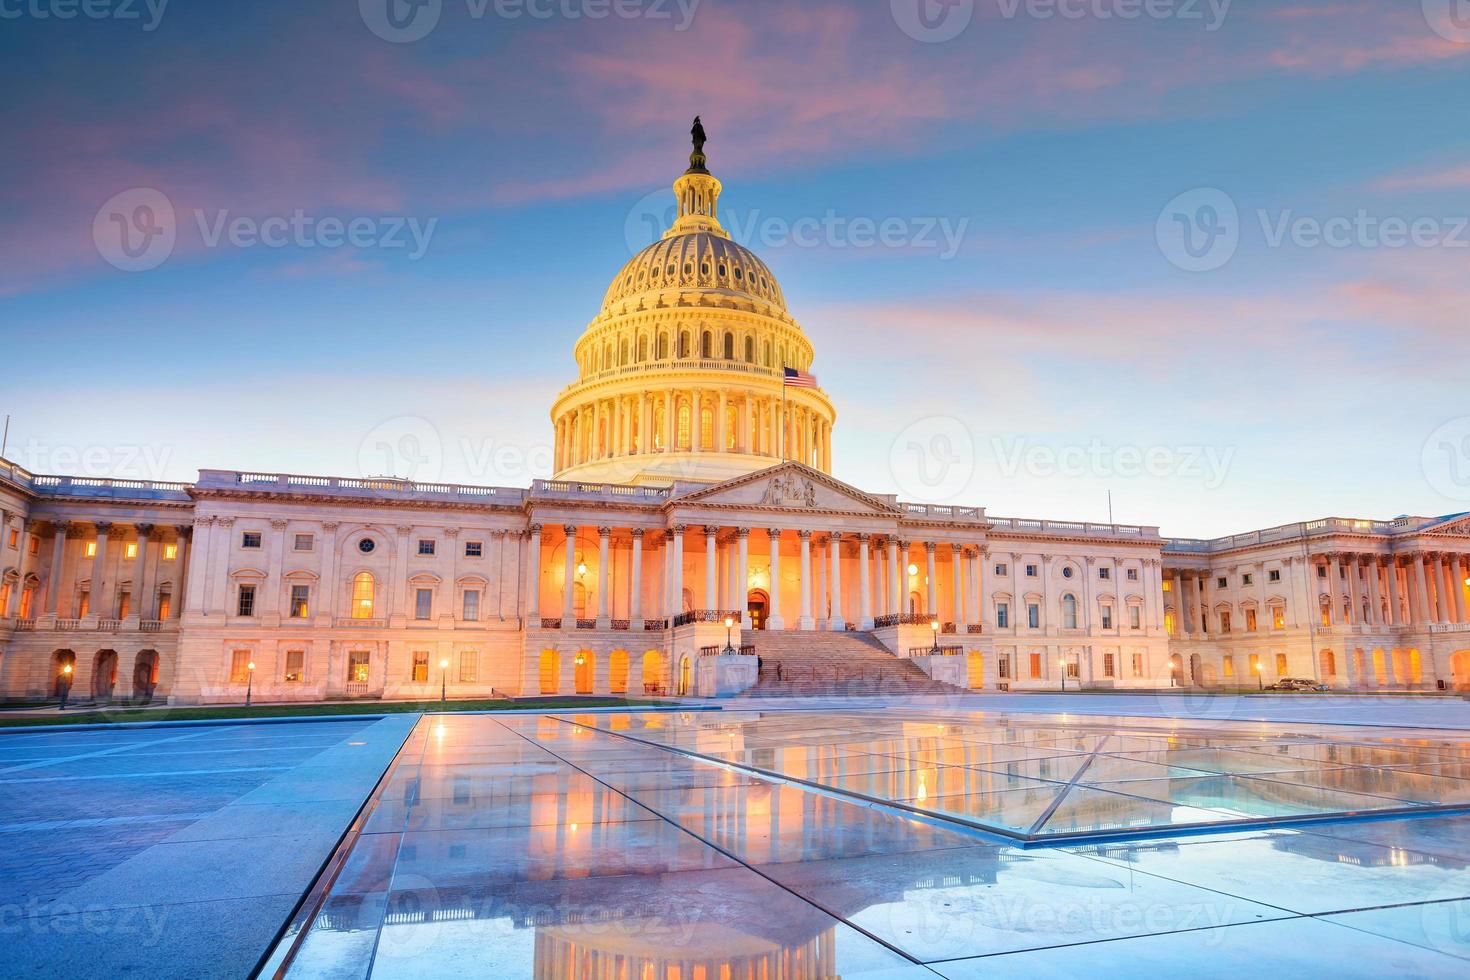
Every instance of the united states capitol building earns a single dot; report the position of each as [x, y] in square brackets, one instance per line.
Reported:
[693, 520]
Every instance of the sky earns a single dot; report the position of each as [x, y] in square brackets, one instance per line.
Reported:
[1208, 258]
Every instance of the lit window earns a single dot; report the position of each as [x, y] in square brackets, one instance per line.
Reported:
[91, 549]
[1278, 618]
[246, 603]
[1224, 622]
[471, 605]
[295, 666]
[13, 537]
[239, 666]
[423, 603]
[420, 666]
[474, 549]
[1107, 619]
[250, 539]
[1036, 666]
[170, 552]
[1281, 665]
[84, 604]
[1138, 665]
[305, 542]
[1228, 665]
[426, 546]
[1250, 620]
[130, 550]
[362, 595]
[357, 666]
[300, 601]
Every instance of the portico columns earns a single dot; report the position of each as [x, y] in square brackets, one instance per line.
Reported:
[1457, 586]
[568, 590]
[1454, 595]
[1375, 592]
[805, 620]
[930, 580]
[865, 590]
[1421, 597]
[1395, 612]
[742, 568]
[533, 579]
[956, 555]
[895, 573]
[837, 620]
[1355, 603]
[101, 580]
[1181, 616]
[711, 571]
[635, 596]
[58, 555]
[676, 573]
[774, 621]
[604, 621]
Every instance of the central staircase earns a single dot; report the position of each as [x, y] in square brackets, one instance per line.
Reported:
[804, 664]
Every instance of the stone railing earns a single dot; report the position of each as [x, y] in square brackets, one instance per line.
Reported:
[597, 491]
[673, 366]
[551, 622]
[655, 625]
[902, 619]
[745, 650]
[1074, 528]
[86, 486]
[1301, 529]
[942, 651]
[150, 625]
[943, 512]
[347, 622]
[706, 616]
[373, 487]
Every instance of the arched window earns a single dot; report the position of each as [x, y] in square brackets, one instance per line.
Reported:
[1069, 611]
[622, 352]
[663, 346]
[749, 350]
[706, 429]
[362, 596]
[767, 354]
[642, 349]
[729, 346]
[660, 424]
[706, 345]
[684, 343]
[683, 436]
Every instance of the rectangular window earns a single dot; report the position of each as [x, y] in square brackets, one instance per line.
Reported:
[1003, 668]
[1133, 575]
[1107, 617]
[1321, 571]
[1255, 663]
[1033, 615]
[91, 549]
[34, 547]
[357, 667]
[1227, 666]
[1222, 582]
[300, 601]
[1274, 575]
[1281, 665]
[423, 603]
[1030, 571]
[1036, 666]
[1135, 617]
[1104, 573]
[1002, 569]
[84, 604]
[163, 607]
[474, 549]
[426, 546]
[130, 550]
[295, 666]
[1003, 615]
[1247, 579]
[239, 666]
[1278, 618]
[471, 610]
[421, 666]
[468, 666]
[304, 542]
[245, 605]
[1250, 620]
[250, 539]
[170, 552]
[1138, 665]
[1074, 669]
[13, 537]
[1224, 622]
[124, 604]
[1108, 665]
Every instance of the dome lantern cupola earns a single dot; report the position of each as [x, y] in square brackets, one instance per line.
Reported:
[681, 376]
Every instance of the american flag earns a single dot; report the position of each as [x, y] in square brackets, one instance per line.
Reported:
[799, 379]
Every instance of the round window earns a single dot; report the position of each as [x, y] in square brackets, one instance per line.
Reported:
[1067, 572]
[366, 545]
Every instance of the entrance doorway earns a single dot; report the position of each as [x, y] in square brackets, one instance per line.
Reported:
[1460, 670]
[757, 603]
[104, 675]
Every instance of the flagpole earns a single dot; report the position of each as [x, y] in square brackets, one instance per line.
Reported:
[783, 414]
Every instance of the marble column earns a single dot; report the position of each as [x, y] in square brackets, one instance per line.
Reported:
[533, 578]
[1375, 593]
[865, 587]
[711, 571]
[569, 580]
[101, 578]
[1355, 599]
[805, 620]
[676, 573]
[774, 620]
[604, 617]
[635, 593]
[838, 619]
[896, 571]
[1453, 610]
[1395, 610]
[58, 557]
[742, 568]
[931, 572]
[957, 587]
[1181, 616]
[1457, 587]
[1421, 593]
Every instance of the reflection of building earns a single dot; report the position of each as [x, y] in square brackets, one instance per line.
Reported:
[694, 482]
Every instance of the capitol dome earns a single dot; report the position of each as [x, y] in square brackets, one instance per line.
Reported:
[683, 374]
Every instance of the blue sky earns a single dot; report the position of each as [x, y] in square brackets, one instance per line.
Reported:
[1033, 357]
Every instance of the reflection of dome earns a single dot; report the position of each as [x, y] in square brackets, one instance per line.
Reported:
[682, 374]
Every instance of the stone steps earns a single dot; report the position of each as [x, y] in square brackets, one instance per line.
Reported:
[797, 664]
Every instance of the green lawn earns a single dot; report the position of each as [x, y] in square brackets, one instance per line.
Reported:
[90, 716]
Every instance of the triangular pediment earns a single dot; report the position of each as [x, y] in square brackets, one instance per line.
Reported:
[1453, 526]
[789, 487]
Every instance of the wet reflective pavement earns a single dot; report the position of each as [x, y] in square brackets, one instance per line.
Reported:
[890, 843]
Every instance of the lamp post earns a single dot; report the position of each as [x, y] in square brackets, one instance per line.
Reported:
[65, 685]
[444, 680]
[1062, 664]
[934, 625]
[729, 625]
[1260, 683]
[249, 681]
